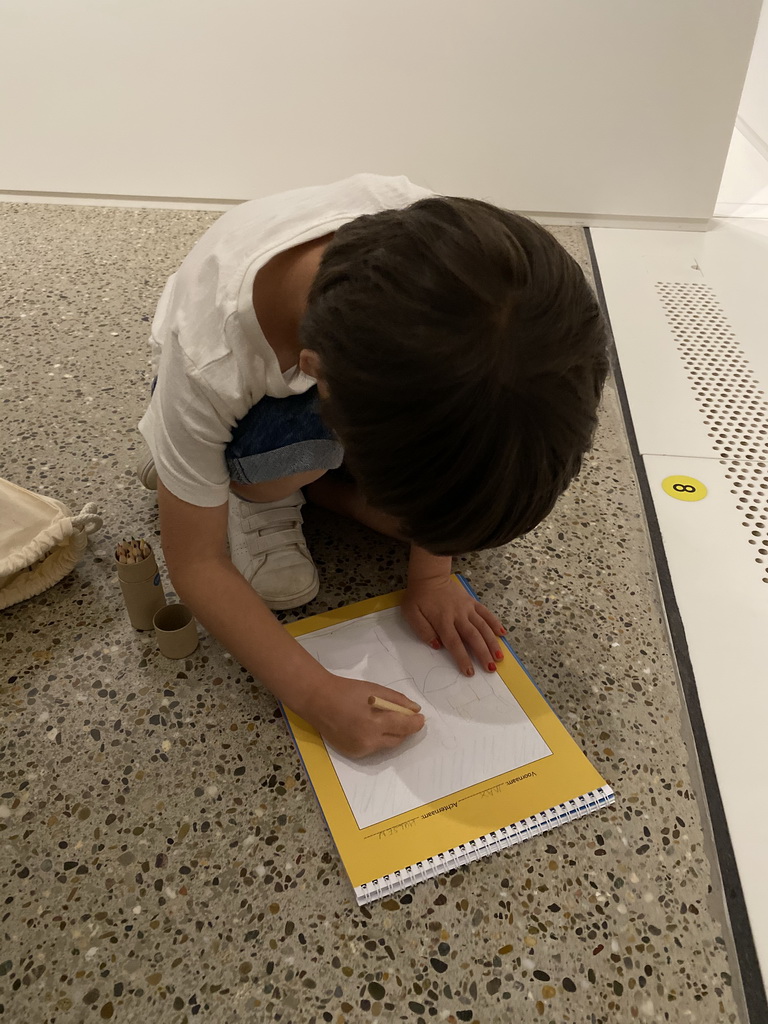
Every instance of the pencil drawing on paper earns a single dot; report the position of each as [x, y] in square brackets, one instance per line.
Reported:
[475, 729]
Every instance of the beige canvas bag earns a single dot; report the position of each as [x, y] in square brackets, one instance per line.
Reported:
[41, 541]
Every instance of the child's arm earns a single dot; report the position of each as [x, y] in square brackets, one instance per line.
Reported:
[444, 613]
[195, 548]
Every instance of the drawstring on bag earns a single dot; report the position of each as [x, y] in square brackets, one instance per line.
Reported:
[41, 541]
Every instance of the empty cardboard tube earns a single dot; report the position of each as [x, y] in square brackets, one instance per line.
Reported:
[142, 591]
[176, 631]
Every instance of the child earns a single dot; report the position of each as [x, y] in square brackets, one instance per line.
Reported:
[449, 352]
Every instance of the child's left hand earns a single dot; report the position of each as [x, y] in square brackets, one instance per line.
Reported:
[443, 614]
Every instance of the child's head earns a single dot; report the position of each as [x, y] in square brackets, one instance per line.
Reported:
[464, 356]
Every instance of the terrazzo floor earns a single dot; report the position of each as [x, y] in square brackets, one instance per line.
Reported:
[163, 857]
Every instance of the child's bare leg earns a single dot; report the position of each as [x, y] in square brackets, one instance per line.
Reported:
[274, 490]
[342, 495]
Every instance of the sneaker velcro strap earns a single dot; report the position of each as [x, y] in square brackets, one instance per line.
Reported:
[284, 538]
[258, 519]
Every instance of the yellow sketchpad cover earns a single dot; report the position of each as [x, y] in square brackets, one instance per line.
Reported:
[455, 818]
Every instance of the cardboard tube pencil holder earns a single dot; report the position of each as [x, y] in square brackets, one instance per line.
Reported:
[175, 631]
[142, 590]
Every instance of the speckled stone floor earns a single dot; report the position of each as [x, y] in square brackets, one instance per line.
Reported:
[162, 855]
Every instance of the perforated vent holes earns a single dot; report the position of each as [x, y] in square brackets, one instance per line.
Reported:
[730, 398]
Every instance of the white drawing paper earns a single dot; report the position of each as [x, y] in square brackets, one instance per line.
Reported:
[475, 729]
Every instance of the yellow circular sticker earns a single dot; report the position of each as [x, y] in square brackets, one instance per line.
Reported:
[685, 488]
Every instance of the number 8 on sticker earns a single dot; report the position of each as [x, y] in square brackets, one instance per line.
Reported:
[684, 488]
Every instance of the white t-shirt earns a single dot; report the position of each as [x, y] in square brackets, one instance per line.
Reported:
[210, 355]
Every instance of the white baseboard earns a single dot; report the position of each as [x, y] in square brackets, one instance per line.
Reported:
[131, 202]
[179, 203]
[600, 220]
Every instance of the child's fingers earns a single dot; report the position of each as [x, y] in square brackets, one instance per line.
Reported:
[478, 644]
[492, 620]
[397, 698]
[390, 742]
[423, 628]
[454, 644]
[397, 726]
[492, 642]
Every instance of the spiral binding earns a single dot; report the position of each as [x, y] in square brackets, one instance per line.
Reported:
[492, 842]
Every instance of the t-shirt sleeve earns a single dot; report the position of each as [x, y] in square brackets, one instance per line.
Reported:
[412, 193]
[187, 427]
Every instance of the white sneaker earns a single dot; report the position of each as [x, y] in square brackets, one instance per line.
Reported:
[145, 469]
[267, 546]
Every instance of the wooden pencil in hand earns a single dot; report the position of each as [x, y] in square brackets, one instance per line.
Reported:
[387, 705]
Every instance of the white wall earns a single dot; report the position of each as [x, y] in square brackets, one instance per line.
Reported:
[753, 110]
[613, 107]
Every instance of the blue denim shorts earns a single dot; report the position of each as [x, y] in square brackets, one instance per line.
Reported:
[278, 437]
[282, 436]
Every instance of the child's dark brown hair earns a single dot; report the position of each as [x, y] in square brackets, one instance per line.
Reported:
[464, 355]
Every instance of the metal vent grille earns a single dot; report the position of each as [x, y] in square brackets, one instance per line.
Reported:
[730, 399]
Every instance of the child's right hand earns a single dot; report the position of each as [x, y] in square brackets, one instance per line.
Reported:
[338, 708]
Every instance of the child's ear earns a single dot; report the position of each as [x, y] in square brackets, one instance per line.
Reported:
[309, 363]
